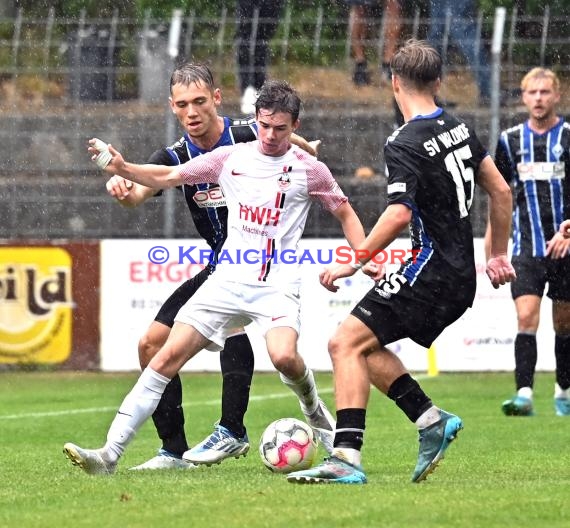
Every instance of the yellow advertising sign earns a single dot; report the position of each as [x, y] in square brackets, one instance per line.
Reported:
[35, 305]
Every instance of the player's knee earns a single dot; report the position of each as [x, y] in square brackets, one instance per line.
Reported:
[287, 361]
[528, 322]
[337, 347]
[561, 328]
[281, 362]
[561, 318]
[147, 350]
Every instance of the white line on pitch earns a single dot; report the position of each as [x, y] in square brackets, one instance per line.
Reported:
[260, 397]
[49, 414]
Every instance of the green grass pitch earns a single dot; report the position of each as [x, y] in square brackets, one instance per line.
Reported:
[501, 472]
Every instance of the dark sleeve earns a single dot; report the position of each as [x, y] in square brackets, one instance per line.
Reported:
[479, 153]
[244, 133]
[503, 160]
[403, 171]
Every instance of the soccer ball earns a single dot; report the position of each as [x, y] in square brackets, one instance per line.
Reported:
[288, 445]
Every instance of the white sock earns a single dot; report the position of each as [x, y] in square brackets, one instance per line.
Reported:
[136, 408]
[525, 392]
[561, 393]
[305, 389]
[352, 456]
[429, 417]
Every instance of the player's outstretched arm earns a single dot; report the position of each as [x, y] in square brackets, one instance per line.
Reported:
[354, 234]
[127, 193]
[487, 237]
[154, 176]
[395, 218]
[350, 223]
[499, 269]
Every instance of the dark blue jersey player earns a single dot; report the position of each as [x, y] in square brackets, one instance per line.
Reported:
[534, 157]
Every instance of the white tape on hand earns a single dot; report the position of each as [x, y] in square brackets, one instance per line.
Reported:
[104, 157]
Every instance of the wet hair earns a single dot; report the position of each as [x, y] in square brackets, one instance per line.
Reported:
[278, 96]
[192, 72]
[417, 63]
[540, 73]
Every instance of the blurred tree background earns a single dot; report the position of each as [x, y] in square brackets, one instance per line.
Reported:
[205, 8]
[23, 52]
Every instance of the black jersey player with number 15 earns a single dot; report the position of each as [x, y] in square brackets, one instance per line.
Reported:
[434, 161]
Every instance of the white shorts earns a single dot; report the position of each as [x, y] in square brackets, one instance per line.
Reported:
[219, 306]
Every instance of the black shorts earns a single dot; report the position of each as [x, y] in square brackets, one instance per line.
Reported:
[180, 297]
[534, 272]
[402, 316]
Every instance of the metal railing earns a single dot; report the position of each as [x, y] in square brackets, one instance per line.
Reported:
[51, 69]
[103, 57]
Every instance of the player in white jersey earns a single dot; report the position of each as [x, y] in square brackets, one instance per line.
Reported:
[269, 185]
[268, 203]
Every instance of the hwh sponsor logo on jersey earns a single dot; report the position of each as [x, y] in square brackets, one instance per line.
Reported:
[259, 215]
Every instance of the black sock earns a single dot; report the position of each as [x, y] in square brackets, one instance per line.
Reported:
[350, 425]
[237, 362]
[168, 418]
[409, 397]
[562, 353]
[525, 360]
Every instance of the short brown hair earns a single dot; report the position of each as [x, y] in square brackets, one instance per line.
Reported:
[278, 96]
[417, 62]
[192, 72]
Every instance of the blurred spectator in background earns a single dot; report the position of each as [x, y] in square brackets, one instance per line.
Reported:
[364, 174]
[393, 32]
[257, 22]
[463, 35]
[362, 14]
[368, 192]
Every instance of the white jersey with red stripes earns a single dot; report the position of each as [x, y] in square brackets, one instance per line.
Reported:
[268, 200]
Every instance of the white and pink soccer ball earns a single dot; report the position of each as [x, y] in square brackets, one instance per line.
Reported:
[288, 445]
